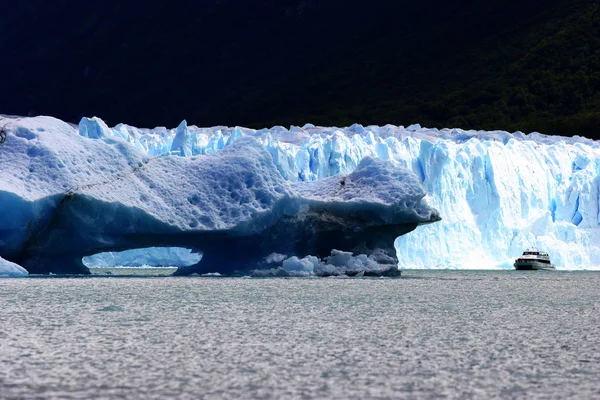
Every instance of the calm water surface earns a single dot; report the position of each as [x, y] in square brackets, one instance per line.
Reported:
[429, 334]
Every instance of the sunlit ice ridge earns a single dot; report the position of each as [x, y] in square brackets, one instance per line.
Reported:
[498, 193]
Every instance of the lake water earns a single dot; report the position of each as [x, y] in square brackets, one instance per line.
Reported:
[429, 334]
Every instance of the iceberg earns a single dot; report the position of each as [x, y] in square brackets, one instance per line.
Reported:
[11, 270]
[74, 193]
[339, 263]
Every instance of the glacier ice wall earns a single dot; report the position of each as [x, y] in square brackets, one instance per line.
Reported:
[498, 198]
[497, 192]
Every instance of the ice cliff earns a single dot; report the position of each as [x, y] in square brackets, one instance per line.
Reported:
[497, 192]
[68, 194]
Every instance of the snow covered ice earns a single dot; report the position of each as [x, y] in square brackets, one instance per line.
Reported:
[11, 270]
[73, 195]
[497, 192]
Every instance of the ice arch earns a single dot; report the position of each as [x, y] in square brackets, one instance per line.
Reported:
[70, 197]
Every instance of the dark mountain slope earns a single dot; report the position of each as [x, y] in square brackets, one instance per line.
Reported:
[538, 73]
[528, 65]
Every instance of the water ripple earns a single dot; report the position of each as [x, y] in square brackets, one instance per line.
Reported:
[429, 335]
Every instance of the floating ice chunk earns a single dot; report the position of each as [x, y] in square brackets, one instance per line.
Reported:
[212, 275]
[11, 270]
[301, 267]
[275, 258]
[338, 263]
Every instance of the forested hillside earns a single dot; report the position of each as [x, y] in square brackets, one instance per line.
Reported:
[529, 65]
[534, 72]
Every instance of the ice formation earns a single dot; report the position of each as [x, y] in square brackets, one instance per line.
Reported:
[149, 257]
[498, 192]
[11, 270]
[71, 195]
[339, 263]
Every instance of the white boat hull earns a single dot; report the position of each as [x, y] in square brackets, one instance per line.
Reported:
[533, 265]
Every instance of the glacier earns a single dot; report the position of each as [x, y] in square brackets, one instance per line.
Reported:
[74, 192]
[497, 192]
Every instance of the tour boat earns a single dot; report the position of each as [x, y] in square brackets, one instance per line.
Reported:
[533, 259]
